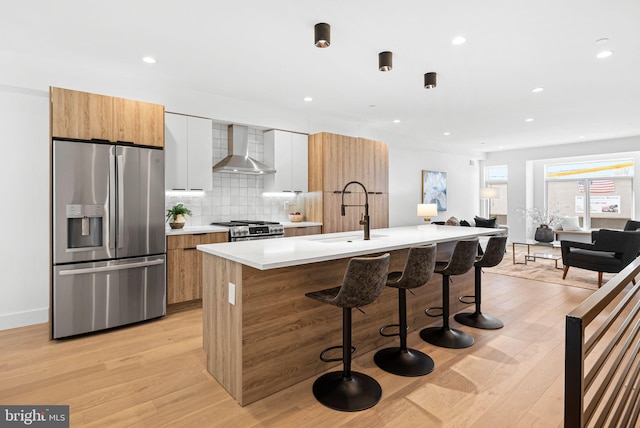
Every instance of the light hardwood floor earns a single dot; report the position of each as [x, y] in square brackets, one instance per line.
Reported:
[153, 374]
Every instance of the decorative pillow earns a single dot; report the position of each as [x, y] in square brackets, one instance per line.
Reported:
[570, 224]
[485, 222]
[452, 221]
[464, 223]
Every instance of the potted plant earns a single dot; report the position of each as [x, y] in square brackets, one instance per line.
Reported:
[176, 216]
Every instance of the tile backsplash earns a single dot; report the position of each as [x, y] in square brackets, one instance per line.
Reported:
[236, 196]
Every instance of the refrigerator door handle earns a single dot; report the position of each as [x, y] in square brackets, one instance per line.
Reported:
[120, 201]
[110, 268]
[112, 200]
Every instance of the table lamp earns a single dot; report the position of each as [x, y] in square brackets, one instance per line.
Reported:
[489, 193]
[427, 210]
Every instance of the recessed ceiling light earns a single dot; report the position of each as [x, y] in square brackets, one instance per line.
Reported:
[396, 121]
[308, 99]
[372, 106]
[149, 59]
[529, 119]
[582, 137]
[458, 40]
[536, 90]
[446, 133]
[604, 54]
[501, 147]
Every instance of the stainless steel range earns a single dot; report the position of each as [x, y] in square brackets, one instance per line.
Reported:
[249, 230]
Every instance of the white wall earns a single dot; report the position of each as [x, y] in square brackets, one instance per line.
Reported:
[24, 187]
[405, 185]
[526, 182]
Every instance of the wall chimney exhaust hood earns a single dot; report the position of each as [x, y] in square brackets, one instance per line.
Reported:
[238, 160]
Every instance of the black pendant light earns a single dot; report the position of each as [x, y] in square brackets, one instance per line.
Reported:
[430, 80]
[385, 61]
[322, 33]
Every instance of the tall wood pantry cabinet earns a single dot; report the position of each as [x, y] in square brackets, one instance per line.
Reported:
[86, 116]
[334, 161]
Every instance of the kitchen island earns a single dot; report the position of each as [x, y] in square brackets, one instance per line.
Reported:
[261, 334]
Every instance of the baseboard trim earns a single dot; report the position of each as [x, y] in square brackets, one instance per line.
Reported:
[23, 319]
[184, 306]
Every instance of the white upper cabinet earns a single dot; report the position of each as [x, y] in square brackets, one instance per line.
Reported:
[188, 152]
[288, 152]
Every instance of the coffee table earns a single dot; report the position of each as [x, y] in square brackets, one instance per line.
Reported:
[546, 256]
[532, 257]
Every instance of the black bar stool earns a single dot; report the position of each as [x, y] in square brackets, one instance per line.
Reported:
[462, 259]
[363, 282]
[401, 360]
[493, 255]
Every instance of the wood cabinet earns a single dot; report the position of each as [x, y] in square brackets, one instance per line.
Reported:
[288, 153]
[81, 115]
[380, 173]
[87, 116]
[301, 231]
[184, 265]
[138, 122]
[188, 152]
[335, 160]
[333, 220]
[379, 210]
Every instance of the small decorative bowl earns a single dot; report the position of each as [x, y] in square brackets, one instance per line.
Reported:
[176, 225]
[296, 218]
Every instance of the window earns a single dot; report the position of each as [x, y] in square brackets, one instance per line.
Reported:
[496, 176]
[606, 187]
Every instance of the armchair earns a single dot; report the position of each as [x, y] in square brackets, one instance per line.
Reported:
[611, 252]
[629, 225]
[632, 225]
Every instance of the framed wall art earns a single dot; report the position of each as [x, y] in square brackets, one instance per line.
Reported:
[434, 188]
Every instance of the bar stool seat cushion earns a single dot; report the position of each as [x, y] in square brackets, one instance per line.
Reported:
[417, 271]
[361, 284]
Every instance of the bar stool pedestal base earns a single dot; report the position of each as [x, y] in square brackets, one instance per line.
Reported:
[348, 394]
[409, 362]
[479, 320]
[446, 337]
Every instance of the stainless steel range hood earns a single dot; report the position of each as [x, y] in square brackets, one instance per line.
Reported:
[238, 160]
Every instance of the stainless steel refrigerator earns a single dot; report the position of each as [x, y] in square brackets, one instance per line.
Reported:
[108, 236]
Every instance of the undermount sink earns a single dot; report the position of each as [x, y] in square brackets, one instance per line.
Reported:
[346, 238]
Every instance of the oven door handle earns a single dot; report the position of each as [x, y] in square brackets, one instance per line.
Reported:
[256, 237]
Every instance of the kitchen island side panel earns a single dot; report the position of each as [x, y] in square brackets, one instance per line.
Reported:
[222, 322]
[283, 332]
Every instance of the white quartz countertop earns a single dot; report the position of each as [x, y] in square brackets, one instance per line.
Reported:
[187, 230]
[288, 224]
[275, 253]
[210, 228]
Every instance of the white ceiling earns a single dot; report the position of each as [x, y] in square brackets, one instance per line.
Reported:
[262, 52]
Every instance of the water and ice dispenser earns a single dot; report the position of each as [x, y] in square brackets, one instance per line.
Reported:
[84, 226]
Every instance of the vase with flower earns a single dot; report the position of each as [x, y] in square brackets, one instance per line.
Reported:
[544, 219]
